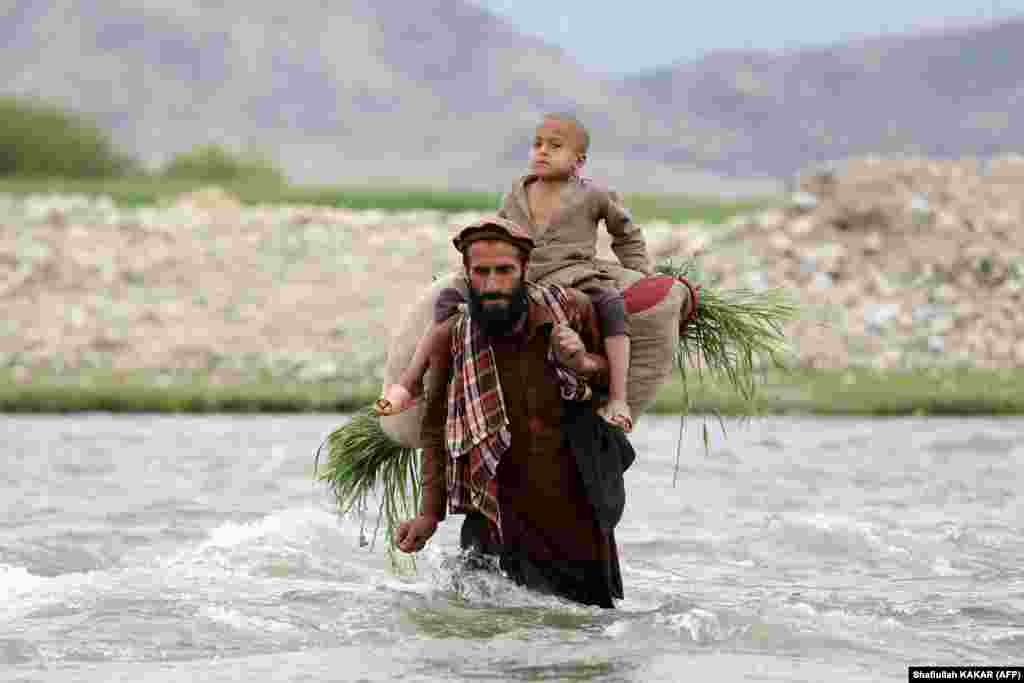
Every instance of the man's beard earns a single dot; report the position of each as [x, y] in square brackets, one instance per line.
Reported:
[498, 320]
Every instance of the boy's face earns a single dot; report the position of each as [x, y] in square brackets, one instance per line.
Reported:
[555, 152]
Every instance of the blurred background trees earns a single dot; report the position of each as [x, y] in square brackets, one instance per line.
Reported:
[214, 164]
[44, 140]
[39, 139]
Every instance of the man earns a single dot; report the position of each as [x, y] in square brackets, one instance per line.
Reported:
[510, 379]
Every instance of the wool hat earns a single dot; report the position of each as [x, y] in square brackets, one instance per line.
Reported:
[494, 227]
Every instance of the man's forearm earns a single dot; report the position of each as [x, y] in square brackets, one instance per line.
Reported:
[434, 482]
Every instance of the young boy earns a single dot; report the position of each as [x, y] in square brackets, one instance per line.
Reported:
[561, 211]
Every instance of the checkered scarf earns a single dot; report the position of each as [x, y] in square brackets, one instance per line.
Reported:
[477, 430]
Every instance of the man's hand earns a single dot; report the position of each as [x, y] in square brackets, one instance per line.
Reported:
[413, 534]
[568, 347]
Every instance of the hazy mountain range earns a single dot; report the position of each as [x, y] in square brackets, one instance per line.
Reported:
[443, 92]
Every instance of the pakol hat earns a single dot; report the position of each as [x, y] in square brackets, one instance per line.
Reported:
[494, 227]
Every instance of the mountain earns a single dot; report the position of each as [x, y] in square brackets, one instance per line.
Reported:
[442, 92]
[943, 94]
[436, 91]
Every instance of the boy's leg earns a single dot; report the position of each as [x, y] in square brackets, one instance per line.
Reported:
[611, 311]
[399, 396]
[616, 410]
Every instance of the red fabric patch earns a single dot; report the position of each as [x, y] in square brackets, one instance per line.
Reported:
[647, 292]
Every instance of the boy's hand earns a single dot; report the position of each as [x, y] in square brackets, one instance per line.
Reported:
[568, 347]
[413, 534]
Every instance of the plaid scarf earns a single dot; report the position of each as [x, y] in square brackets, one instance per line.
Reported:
[477, 430]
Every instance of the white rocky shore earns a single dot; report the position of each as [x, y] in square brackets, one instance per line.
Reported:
[912, 262]
[896, 263]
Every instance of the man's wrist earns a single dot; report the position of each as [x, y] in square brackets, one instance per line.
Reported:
[432, 516]
[593, 366]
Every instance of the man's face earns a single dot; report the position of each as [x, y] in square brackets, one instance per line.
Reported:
[497, 290]
[555, 151]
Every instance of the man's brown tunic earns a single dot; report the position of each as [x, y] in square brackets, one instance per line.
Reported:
[551, 540]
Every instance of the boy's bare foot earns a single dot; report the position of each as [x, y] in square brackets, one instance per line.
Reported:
[394, 400]
[617, 413]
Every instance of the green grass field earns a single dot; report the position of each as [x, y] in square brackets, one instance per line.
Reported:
[180, 392]
[145, 191]
[860, 391]
[961, 391]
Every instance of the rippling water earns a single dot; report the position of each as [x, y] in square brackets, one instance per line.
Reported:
[798, 549]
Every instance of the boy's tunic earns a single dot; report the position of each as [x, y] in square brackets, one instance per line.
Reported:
[567, 248]
[551, 540]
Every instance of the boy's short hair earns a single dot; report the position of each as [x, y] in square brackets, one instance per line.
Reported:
[582, 134]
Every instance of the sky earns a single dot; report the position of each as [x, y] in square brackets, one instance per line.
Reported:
[637, 35]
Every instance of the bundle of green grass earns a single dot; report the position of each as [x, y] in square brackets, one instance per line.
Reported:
[362, 459]
[729, 335]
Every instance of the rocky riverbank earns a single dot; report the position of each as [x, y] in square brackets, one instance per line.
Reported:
[896, 263]
[912, 262]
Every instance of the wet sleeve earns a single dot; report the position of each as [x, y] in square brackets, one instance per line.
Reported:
[434, 459]
[627, 239]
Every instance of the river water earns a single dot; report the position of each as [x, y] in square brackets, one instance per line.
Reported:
[170, 548]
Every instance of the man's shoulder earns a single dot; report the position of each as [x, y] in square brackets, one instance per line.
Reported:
[577, 297]
[574, 300]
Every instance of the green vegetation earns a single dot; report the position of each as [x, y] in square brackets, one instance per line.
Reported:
[215, 164]
[43, 140]
[138, 191]
[681, 208]
[729, 332]
[945, 391]
[361, 459]
[178, 392]
[858, 391]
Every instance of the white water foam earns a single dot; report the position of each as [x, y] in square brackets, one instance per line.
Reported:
[834, 535]
[304, 533]
[943, 567]
[304, 545]
[700, 625]
[17, 581]
[21, 591]
[244, 622]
